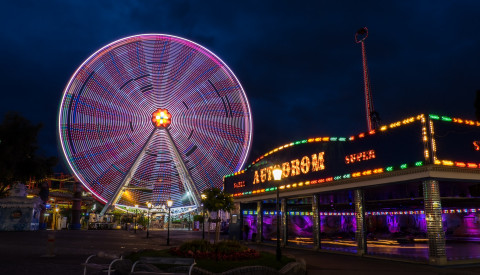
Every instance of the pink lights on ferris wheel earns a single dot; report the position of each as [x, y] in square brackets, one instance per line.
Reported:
[111, 101]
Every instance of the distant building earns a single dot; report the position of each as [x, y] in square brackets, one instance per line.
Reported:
[60, 195]
[409, 189]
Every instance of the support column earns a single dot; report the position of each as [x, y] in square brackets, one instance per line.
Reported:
[258, 239]
[283, 229]
[236, 229]
[76, 207]
[316, 224]
[360, 234]
[433, 217]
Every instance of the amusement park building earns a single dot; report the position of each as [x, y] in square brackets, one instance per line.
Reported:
[409, 189]
[61, 195]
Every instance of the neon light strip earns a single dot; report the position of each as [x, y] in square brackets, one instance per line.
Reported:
[326, 139]
[458, 164]
[361, 135]
[330, 179]
[368, 213]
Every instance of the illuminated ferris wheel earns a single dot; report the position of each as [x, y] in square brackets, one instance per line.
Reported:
[153, 117]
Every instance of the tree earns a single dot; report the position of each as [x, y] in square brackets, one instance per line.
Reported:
[215, 201]
[18, 159]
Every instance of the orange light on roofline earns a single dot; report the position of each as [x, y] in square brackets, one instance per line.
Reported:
[472, 165]
[447, 162]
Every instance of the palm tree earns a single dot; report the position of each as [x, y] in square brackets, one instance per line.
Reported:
[215, 201]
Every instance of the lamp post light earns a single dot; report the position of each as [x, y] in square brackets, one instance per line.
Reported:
[169, 204]
[277, 176]
[56, 218]
[148, 217]
[204, 197]
[135, 220]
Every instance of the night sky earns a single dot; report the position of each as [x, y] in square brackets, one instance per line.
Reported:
[297, 60]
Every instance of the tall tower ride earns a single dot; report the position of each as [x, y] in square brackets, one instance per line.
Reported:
[373, 118]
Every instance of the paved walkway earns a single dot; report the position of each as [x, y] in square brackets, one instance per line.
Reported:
[21, 253]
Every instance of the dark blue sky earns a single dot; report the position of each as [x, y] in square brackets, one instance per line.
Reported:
[297, 60]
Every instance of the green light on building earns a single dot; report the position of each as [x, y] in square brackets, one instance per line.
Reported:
[446, 118]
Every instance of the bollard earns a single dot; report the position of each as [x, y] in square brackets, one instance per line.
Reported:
[50, 246]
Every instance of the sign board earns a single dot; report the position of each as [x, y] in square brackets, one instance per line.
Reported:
[457, 140]
[329, 158]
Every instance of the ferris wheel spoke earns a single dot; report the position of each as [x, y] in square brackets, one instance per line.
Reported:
[129, 175]
[183, 172]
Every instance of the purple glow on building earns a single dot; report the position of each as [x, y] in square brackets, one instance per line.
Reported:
[340, 224]
[249, 226]
[300, 226]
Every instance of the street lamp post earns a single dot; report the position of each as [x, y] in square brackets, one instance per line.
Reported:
[277, 176]
[148, 217]
[56, 218]
[203, 216]
[135, 224]
[169, 204]
[190, 218]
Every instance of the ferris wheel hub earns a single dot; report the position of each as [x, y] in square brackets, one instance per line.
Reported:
[161, 118]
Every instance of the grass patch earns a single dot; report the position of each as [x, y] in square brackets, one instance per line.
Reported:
[265, 259]
[135, 256]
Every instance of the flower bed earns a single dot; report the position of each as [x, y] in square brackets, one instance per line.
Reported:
[224, 250]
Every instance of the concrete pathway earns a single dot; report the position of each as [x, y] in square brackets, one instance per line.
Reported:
[23, 253]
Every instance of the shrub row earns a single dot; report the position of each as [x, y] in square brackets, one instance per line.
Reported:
[225, 250]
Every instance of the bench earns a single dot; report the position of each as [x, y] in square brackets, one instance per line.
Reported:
[163, 260]
[104, 267]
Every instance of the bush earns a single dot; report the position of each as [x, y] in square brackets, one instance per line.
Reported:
[226, 247]
[224, 250]
[196, 245]
[198, 218]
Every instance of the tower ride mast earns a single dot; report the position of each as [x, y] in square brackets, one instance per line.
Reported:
[371, 115]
